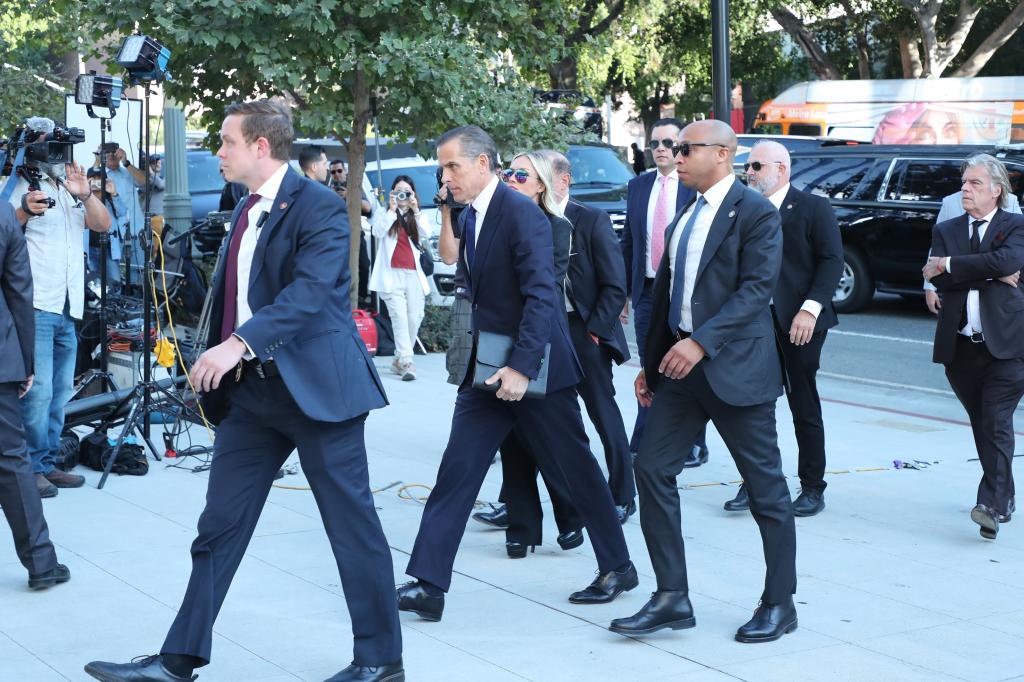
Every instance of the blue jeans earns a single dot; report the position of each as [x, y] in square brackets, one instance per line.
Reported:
[43, 408]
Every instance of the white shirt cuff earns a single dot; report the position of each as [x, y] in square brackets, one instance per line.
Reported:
[947, 264]
[813, 307]
[248, 355]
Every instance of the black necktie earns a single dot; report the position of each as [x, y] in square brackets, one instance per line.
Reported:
[469, 235]
[976, 235]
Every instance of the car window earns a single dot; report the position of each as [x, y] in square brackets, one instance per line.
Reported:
[830, 176]
[1016, 173]
[204, 173]
[923, 180]
[424, 178]
[598, 165]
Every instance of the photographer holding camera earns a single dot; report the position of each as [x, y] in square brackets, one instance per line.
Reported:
[54, 203]
[157, 187]
[126, 178]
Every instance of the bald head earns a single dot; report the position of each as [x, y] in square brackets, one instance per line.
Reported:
[711, 148]
[767, 167]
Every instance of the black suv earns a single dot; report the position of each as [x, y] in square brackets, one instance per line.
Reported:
[886, 199]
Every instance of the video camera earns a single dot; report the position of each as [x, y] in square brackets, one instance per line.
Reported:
[56, 146]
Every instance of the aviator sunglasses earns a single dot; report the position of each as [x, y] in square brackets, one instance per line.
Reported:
[521, 175]
[757, 165]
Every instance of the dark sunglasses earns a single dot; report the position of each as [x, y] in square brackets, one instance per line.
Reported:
[757, 165]
[666, 143]
[686, 147]
[337, 171]
[519, 174]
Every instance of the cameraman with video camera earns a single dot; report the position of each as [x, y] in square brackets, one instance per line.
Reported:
[54, 204]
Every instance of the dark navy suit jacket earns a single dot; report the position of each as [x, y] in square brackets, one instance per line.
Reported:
[17, 316]
[301, 317]
[513, 290]
[634, 234]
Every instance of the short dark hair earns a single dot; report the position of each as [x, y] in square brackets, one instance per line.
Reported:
[310, 155]
[335, 162]
[475, 141]
[267, 118]
[668, 122]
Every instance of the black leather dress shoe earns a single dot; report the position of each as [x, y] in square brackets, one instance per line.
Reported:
[988, 519]
[809, 503]
[413, 597]
[741, 502]
[607, 587]
[57, 574]
[517, 550]
[663, 610]
[570, 539]
[392, 672]
[1010, 508]
[144, 669]
[496, 518]
[625, 511]
[698, 455]
[770, 622]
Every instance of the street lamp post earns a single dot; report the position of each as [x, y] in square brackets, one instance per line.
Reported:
[720, 60]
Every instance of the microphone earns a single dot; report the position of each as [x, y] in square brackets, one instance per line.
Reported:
[262, 219]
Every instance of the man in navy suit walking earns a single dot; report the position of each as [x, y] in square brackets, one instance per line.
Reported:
[285, 369]
[506, 257]
[652, 199]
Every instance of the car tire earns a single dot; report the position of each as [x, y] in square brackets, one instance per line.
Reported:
[856, 287]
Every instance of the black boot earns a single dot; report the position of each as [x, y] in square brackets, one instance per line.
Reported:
[665, 609]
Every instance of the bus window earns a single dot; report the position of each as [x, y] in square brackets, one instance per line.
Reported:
[768, 129]
[924, 180]
[809, 129]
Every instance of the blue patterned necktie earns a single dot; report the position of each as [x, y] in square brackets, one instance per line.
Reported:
[469, 235]
[675, 306]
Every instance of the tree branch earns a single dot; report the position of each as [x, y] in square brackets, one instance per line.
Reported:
[820, 61]
[1009, 26]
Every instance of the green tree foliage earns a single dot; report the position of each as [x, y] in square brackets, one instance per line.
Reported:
[428, 66]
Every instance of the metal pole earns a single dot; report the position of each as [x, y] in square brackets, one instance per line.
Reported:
[720, 60]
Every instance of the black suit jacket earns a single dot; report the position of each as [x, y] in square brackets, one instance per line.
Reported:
[17, 316]
[513, 290]
[812, 258]
[1002, 306]
[597, 276]
[736, 276]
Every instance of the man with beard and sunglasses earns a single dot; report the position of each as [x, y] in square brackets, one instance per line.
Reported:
[812, 263]
[651, 201]
[711, 355]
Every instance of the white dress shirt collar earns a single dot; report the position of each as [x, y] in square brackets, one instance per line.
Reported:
[563, 204]
[987, 218]
[778, 197]
[482, 201]
[716, 193]
[270, 188]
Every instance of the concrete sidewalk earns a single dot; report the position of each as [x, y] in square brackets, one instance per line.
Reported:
[894, 581]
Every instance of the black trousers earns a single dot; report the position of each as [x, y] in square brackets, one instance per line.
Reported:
[18, 493]
[641, 325]
[261, 429]
[681, 409]
[989, 389]
[519, 468]
[802, 364]
[480, 424]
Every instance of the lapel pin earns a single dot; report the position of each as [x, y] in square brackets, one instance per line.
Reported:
[789, 205]
[732, 214]
[283, 206]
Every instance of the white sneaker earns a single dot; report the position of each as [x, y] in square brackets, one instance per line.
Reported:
[408, 371]
[396, 367]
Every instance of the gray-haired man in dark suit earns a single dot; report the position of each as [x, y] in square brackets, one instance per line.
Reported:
[18, 495]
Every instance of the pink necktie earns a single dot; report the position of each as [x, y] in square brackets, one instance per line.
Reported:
[659, 224]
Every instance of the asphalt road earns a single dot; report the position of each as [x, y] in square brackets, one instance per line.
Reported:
[889, 343]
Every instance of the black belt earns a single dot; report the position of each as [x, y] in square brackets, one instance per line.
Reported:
[261, 370]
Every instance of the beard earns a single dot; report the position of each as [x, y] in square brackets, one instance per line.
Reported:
[763, 183]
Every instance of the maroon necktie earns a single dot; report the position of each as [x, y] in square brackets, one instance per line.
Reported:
[227, 323]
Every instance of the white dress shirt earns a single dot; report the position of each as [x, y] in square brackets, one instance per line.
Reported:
[813, 307]
[671, 192]
[695, 247]
[974, 325]
[562, 206]
[247, 246]
[482, 201]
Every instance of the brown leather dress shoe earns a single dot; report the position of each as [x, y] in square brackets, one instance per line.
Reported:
[63, 479]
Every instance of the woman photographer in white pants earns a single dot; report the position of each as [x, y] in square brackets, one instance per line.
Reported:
[397, 275]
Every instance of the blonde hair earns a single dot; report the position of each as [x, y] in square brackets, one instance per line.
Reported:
[545, 176]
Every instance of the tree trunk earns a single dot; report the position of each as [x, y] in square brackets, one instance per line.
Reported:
[910, 56]
[820, 63]
[1009, 26]
[939, 53]
[356, 168]
[563, 73]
